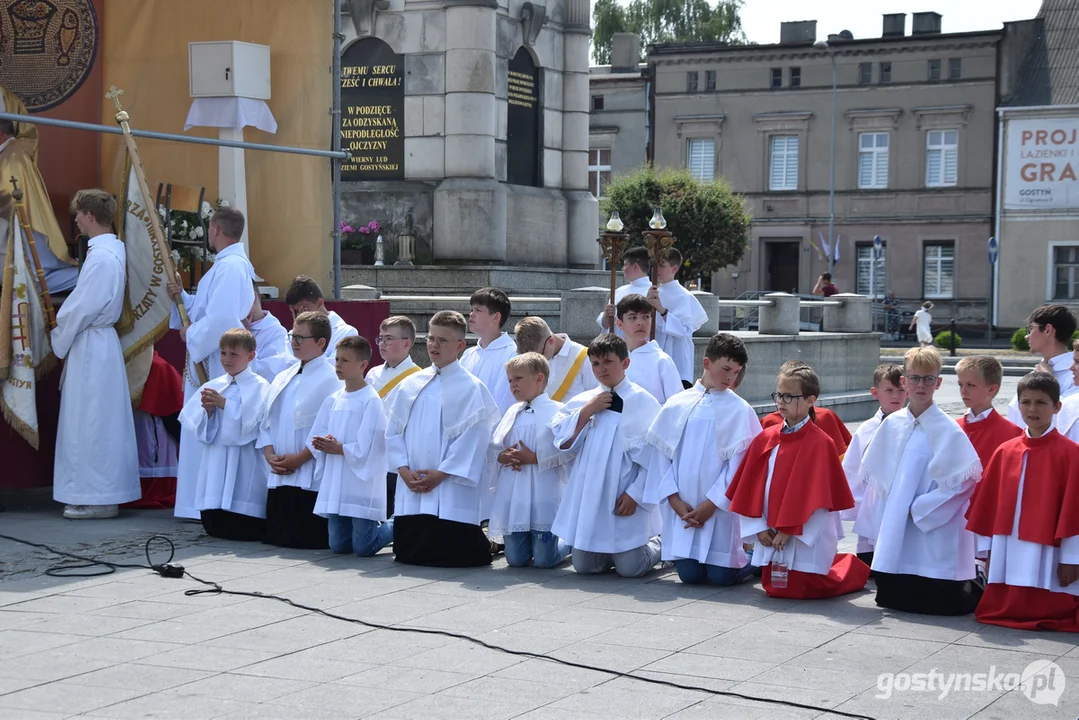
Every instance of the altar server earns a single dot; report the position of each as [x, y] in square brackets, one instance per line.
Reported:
[292, 403]
[226, 416]
[681, 312]
[272, 352]
[97, 460]
[979, 379]
[488, 357]
[604, 515]
[650, 367]
[1067, 421]
[571, 373]
[921, 470]
[1049, 334]
[438, 428]
[224, 298]
[700, 436]
[304, 295]
[636, 266]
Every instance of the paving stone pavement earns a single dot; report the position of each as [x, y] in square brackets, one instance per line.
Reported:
[134, 645]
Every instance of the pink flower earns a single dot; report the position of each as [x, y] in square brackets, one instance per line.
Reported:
[346, 228]
[364, 230]
[373, 225]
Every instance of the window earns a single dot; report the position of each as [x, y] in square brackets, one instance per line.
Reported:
[955, 68]
[777, 77]
[784, 174]
[597, 102]
[709, 79]
[865, 73]
[701, 158]
[1066, 272]
[885, 72]
[691, 81]
[942, 158]
[873, 160]
[796, 77]
[599, 170]
[865, 266]
[939, 267]
[934, 71]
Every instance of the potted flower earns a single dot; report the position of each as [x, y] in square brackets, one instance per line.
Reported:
[358, 243]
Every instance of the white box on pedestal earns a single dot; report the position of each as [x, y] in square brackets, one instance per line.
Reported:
[229, 69]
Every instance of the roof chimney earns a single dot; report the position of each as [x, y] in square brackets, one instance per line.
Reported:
[925, 23]
[802, 31]
[625, 52]
[895, 25]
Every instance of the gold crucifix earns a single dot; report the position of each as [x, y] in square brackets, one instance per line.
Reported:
[114, 94]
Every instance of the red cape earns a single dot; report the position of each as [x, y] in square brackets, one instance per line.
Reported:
[807, 477]
[163, 394]
[989, 434]
[1050, 490]
[828, 421]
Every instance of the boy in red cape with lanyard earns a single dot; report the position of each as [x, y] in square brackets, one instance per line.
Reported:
[789, 491]
[1026, 512]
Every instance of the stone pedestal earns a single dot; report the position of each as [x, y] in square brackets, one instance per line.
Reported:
[360, 292]
[854, 315]
[710, 303]
[782, 318]
[470, 220]
[579, 310]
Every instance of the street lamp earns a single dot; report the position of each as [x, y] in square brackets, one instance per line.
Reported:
[823, 45]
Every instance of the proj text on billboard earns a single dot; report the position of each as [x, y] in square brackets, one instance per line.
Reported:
[1041, 164]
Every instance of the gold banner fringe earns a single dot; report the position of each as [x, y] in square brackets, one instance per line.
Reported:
[28, 433]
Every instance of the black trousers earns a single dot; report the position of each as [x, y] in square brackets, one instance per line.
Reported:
[391, 492]
[867, 558]
[228, 525]
[291, 522]
[928, 596]
[432, 541]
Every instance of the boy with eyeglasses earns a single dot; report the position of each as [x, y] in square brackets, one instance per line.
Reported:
[1049, 334]
[921, 470]
[292, 404]
[396, 335]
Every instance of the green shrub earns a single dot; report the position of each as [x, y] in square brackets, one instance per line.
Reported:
[943, 340]
[1019, 340]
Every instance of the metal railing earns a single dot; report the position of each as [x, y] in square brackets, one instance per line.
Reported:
[464, 299]
[744, 311]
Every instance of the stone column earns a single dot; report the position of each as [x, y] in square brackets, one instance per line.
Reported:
[782, 318]
[710, 303]
[854, 315]
[582, 210]
[579, 309]
[470, 204]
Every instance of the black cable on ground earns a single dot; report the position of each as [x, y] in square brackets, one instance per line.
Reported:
[167, 569]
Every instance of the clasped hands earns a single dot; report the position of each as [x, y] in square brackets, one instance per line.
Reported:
[773, 539]
[282, 464]
[327, 444]
[212, 400]
[421, 481]
[693, 517]
[517, 455]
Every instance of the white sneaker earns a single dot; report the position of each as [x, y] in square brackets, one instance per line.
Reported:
[90, 512]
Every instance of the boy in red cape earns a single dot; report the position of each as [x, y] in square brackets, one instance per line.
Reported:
[1027, 507]
[824, 418]
[789, 490]
[979, 382]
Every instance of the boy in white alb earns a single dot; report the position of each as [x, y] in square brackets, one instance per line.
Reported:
[396, 335]
[920, 471]
[636, 266]
[571, 373]
[348, 441]
[1049, 332]
[681, 312]
[292, 404]
[526, 472]
[488, 357]
[604, 515]
[272, 353]
[691, 470]
[225, 416]
[1067, 420]
[650, 367]
[304, 295]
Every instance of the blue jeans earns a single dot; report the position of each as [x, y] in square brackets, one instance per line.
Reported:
[363, 537]
[692, 572]
[542, 548]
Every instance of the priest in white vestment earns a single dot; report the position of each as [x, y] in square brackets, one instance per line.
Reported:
[97, 459]
[571, 373]
[305, 295]
[221, 302]
[488, 357]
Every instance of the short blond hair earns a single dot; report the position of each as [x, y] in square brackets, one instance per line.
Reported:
[450, 319]
[530, 362]
[531, 333]
[237, 338]
[987, 367]
[400, 321]
[100, 204]
[922, 358]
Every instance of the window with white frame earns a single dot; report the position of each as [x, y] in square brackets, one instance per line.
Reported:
[942, 158]
[873, 160]
[938, 279]
[784, 163]
[701, 158]
[866, 266]
[1066, 272]
[599, 170]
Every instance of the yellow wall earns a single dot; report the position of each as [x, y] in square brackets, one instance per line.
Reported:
[144, 51]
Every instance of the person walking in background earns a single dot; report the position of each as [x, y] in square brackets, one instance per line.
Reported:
[923, 321]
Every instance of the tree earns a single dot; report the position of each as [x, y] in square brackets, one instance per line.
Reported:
[658, 21]
[710, 223]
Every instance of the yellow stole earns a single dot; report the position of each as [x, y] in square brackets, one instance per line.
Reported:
[575, 368]
[388, 387]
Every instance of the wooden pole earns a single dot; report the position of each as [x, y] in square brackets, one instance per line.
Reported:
[28, 231]
[155, 221]
[657, 241]
[612, 244]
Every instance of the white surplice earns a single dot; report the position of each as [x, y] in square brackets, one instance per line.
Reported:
[97, 458]
[352, 484]
[1062, 371]
[338, 329]
[272, 351]
[563, 362]
[700, 437]
[292, 404]
[232, 473]
[526, 500]
[920, 474]
[223, 300]
[612, 459]
[441, 419]
[489, 365]
[1066, 420]
[380, 375]
[653, 370]
[684, 316]
[852, 467]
